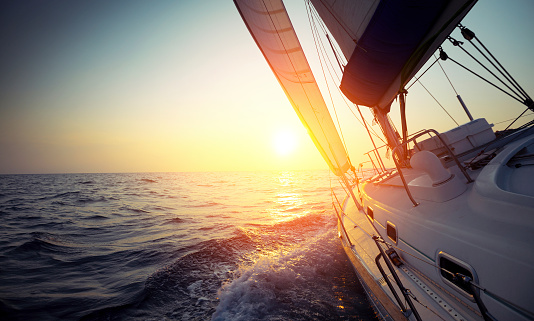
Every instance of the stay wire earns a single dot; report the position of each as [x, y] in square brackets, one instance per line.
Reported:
[447, 76]
[502, 70]
[437, 101]
[515, 118]
[319, 54]
[332, 69]
[362, 121]
[489, 82]
[521, 115]
[424, 72]
[459, 44]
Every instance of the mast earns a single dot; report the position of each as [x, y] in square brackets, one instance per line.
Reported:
[388, 130]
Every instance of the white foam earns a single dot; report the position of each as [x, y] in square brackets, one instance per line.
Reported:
[259, 288]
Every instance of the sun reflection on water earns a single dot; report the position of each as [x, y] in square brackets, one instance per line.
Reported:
[288, 202]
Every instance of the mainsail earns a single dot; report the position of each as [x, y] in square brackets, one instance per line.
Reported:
[269, 24]
[387, 41]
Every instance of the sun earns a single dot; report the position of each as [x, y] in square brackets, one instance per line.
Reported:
[284, 142]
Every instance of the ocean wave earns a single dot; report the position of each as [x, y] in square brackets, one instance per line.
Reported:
[176, 220]
[192, 281]
[166, 248]
[97, 199]
[133, 210]
[208, 204]
[281, 285]
[43, 243]
[96, 217]
[148, 180]
[66, 194]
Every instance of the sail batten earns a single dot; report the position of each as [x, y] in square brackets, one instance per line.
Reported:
[269, 25]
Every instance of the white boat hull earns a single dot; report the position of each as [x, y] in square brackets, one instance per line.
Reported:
[488, 229]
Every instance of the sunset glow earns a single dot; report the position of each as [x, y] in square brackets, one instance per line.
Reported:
[284, 142]
[121, 87]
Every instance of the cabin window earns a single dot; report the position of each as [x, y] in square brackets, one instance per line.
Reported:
[451, 264]
[370, 213]
[391, 231]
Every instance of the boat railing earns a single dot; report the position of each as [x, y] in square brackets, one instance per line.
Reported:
[376, 161]
[414, 140]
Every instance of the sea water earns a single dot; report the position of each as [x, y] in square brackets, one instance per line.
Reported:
[174, 246]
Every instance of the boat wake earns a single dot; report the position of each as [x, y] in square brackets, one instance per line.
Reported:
[269, 272]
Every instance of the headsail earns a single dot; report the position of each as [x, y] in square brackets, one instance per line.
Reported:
[269, 24]
[387, 41]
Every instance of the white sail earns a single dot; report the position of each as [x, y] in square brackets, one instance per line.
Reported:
[386, 42]
[269, 24]
[346, 20]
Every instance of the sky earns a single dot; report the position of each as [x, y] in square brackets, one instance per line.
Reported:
[166, 86]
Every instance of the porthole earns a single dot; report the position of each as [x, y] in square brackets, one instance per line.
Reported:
[370, 213]
[391, 231]
[451, 267]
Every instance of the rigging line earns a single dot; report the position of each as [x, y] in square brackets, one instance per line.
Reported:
[314, 27]
[417, 78]
[489, 82]
[313, 12]
[324, 53]
[371, 137]
[458, 44]
[517, 118]
[325, 57]
[332, 69]
[445, 110]
[512, 81]
[447, 76]
[335, 54]
[483, 66]
[509, 78]
[362, 121]
[325, 31]
[337, 20]
[504, 121]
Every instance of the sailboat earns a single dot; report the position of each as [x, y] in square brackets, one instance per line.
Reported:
[445, 232]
